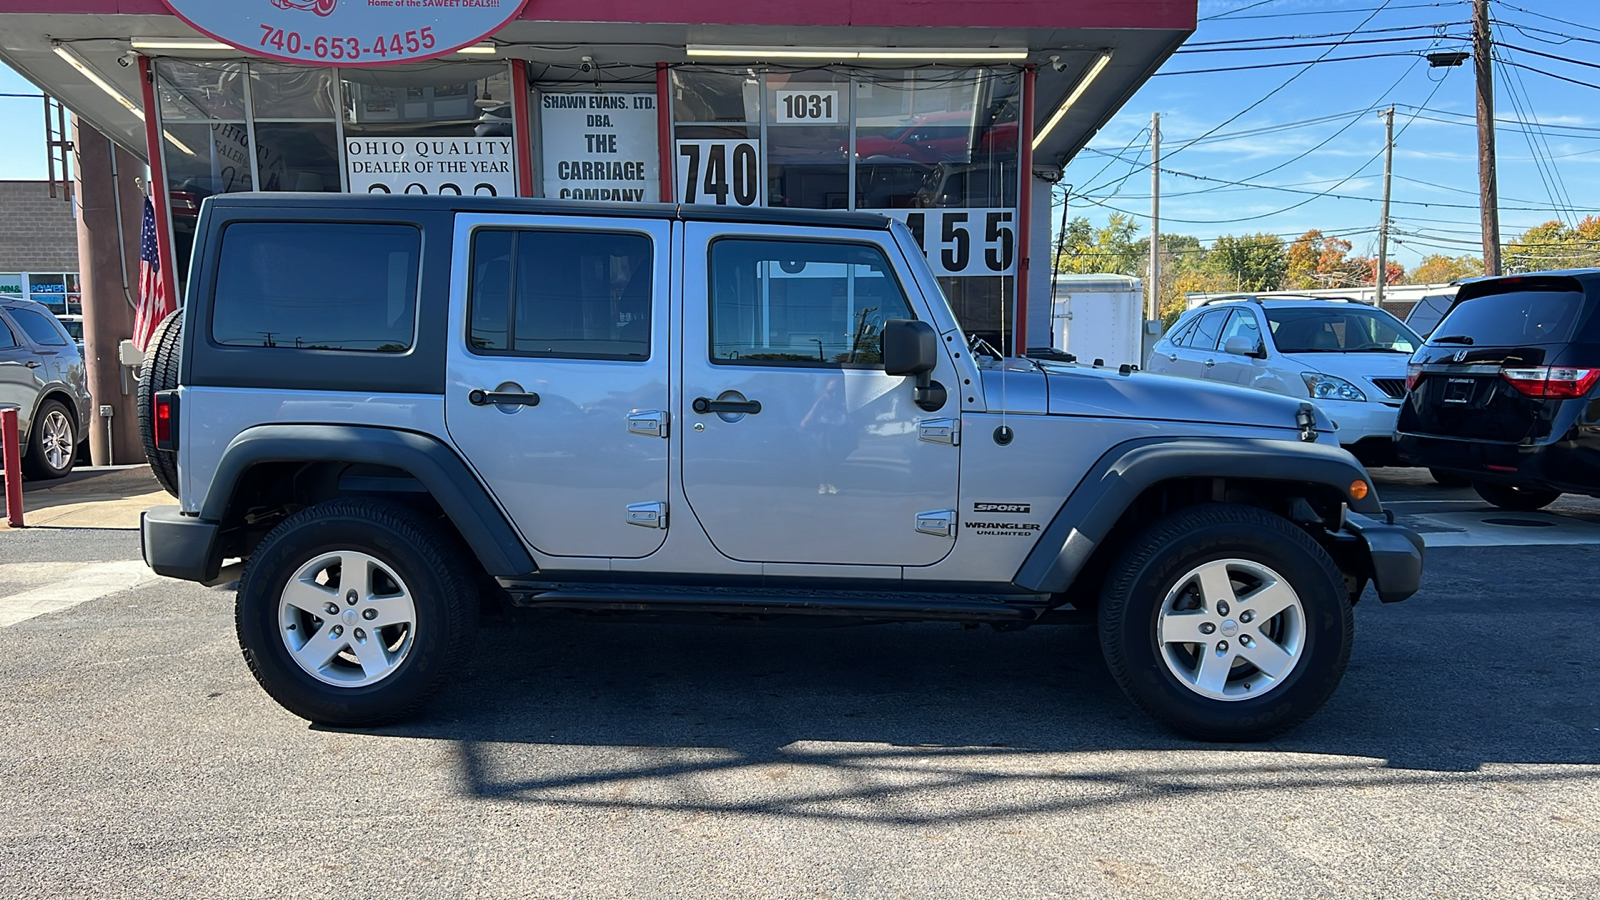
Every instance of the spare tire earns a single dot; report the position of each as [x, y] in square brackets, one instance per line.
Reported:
[160, 373]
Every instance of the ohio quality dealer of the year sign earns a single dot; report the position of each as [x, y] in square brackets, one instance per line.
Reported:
[348, 32]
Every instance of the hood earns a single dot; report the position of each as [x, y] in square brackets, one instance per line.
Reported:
[1345, 365]
[1106, 393]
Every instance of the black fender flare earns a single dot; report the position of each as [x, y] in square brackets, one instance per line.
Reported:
[433, 463]
[1127, 469]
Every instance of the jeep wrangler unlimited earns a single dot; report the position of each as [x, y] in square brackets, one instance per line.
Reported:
[388, 408]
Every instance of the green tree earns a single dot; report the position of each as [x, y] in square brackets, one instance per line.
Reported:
[1253, 262]
[1111, 248]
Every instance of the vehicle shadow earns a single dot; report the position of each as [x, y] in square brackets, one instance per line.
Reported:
[1437, 688]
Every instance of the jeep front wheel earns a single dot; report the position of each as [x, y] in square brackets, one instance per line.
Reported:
[351, 612]
[1226, 623]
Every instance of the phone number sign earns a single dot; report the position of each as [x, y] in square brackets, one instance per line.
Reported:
[348, 32]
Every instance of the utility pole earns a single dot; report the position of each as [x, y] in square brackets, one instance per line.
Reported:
[1154, 303]
[1383, 224]
[1488, 189]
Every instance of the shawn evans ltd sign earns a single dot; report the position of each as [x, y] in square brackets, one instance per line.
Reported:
[348, 32]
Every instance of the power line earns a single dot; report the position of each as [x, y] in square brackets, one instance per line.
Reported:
[1555, 76]
[1551, 18]
[1299, 44]
[1335, 12]
[1308, 63]
[1312, 37]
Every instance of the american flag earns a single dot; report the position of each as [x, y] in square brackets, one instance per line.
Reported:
[153, 302]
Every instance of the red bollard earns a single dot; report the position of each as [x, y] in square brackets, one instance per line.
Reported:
[11, 457]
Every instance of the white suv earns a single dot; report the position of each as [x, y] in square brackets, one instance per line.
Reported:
[1347, 357]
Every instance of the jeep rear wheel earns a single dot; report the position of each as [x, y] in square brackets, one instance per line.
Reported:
[351, 612]
[1226, 623]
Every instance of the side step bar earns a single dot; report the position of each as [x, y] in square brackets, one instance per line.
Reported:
[745, 601]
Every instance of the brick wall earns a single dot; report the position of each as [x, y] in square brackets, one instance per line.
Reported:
[38, 233]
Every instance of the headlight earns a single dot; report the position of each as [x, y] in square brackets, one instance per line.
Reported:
[1329, 387]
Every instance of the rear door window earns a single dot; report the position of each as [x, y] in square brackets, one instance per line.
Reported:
[317, 286]
[561, 294]
[1204, 336]
[1514, 318]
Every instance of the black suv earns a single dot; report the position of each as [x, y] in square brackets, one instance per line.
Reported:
[1501, 394]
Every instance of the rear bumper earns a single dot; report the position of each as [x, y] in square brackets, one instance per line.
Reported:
[1394, 553]
[179, 546]
[1571, 465]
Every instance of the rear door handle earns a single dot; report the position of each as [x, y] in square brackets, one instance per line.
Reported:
[1210, 363]
[33, 364]
[507, 398]
[1173, 357]
[703, 405]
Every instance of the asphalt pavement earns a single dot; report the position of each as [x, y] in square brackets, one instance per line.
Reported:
[583, 758]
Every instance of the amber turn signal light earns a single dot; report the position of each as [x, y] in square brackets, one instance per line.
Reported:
[1358, 490]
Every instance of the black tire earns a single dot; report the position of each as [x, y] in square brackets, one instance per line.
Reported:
[159, 372]
[427, 563]
[1158, 561]
[1449, 479]
[1520, 499]
[36, 462]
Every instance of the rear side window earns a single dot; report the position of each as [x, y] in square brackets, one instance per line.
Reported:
[46, 332]
[317, 286]
[1514, 318]
[8, 341]
[568, 294]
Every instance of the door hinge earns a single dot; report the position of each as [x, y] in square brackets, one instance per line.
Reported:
[940, 431]
[650, 422]
[647, 515]
[937, 522]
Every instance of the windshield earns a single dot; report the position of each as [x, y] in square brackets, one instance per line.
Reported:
[1342, 329]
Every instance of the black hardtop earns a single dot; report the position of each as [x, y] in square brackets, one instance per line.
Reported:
[380, 204]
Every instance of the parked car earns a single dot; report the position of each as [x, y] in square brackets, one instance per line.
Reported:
[743, 413]
[1425, 315]
[1501, 394]
[41, 375]
[1347, 357]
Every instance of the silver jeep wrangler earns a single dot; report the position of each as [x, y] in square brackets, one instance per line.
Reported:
[389, 410]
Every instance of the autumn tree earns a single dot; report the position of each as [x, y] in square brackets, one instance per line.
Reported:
[1441, 269]
[1317, 260]
[1555, 245]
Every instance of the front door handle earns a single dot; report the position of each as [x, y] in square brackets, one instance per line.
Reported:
[508, 398]
[1172, 356]
[703, 405]
[1210, 363]
[32, 364]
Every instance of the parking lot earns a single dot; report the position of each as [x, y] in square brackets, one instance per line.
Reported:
[1461, 756]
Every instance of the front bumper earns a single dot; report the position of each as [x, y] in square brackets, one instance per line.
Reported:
[1358, 419]
[1393, 554]
[179, 546]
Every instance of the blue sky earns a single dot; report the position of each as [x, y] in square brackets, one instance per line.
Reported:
[1436, 152]
[1435, 159]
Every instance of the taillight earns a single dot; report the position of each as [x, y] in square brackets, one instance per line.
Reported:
[162, 421]
[1413, 375]
[1551, 382]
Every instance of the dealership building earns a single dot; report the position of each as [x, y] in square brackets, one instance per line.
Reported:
[953, 116]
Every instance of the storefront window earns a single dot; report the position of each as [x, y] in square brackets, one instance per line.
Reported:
[935, 147]
[296, 136]
[205, 140]
[453, 100]
[808, 140]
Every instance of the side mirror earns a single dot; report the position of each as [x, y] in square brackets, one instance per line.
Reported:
[911, 347]
[1240, 345]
